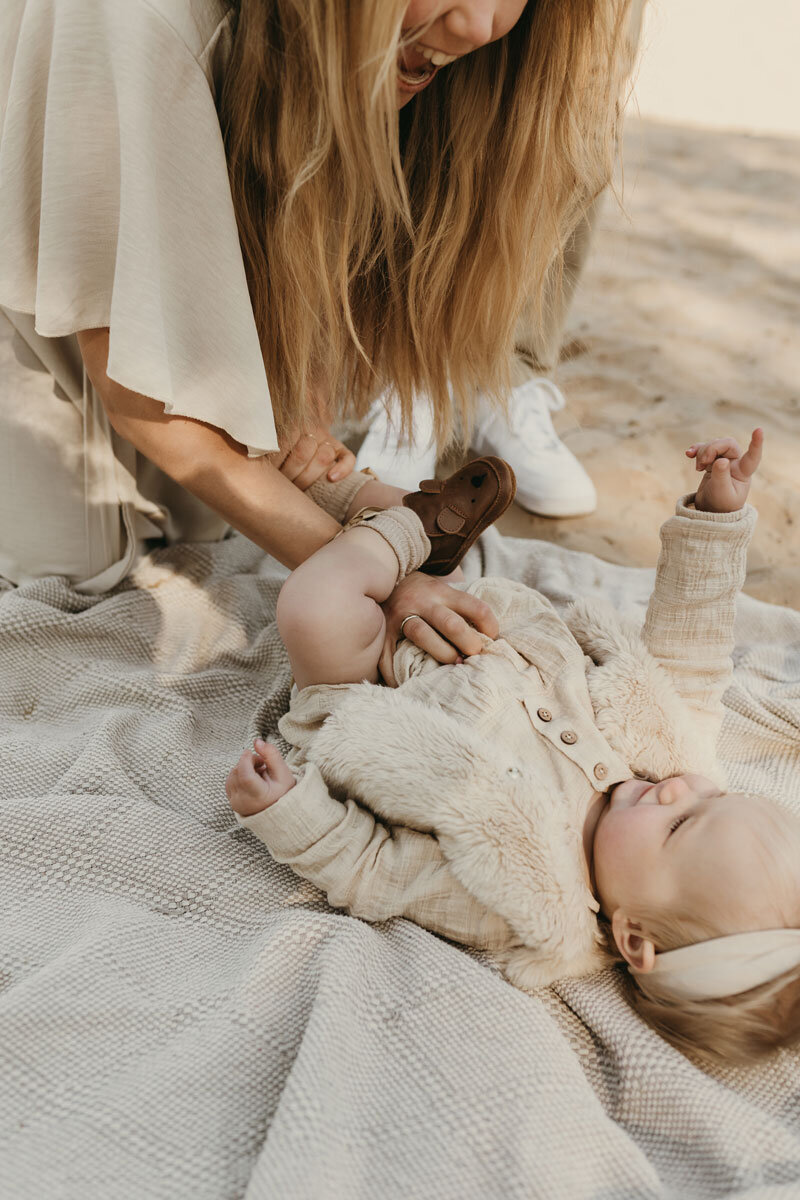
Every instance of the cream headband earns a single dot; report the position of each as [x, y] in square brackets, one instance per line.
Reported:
[723, 966]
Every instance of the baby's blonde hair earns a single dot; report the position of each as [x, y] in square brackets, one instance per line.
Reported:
[751, 1025]
[733, 1029]
[385, 251]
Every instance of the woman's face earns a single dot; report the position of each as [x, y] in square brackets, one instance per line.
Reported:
[458, 27]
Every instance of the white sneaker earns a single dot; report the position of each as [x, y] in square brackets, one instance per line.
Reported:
[550, 480]
[402, 465]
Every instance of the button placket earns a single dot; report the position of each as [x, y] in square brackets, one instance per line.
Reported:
[587, 748]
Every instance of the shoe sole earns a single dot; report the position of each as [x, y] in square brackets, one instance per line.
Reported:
[556, 512]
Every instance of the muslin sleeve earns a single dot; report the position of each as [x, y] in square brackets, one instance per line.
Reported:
[373, 871]
[115, 205]
[689, 625]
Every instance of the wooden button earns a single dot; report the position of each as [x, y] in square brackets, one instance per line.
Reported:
[569, 736]
[600, 771]
[544, 714]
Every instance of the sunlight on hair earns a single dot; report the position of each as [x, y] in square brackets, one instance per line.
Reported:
[398, 250]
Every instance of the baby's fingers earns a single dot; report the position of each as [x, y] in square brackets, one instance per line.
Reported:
[749, 461]
[274, 762]
[245, 776]
[706, 453]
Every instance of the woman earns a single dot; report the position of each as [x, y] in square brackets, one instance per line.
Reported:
[199, 196]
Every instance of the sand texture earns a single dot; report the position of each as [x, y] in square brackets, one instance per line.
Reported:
[685, 327]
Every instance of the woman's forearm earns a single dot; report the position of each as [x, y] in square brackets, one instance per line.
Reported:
[250, 493]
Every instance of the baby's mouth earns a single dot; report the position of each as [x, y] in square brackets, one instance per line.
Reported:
[633, 791]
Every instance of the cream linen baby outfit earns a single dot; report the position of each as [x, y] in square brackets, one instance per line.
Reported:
[115, 210]
[480, 775]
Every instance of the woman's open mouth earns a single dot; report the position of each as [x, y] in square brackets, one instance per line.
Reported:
[414, 71]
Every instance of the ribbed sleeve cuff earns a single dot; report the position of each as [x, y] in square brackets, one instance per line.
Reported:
[402, 529]
[336, 498]
[685, 508]
[735, 527]
[304, 815]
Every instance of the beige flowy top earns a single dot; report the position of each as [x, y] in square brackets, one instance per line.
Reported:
[115, 210]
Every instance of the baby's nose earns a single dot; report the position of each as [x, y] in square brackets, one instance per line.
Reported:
[672, 790]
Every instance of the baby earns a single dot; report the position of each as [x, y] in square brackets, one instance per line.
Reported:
[537, 798]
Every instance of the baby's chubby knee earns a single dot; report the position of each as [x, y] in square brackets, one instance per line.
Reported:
[324, 611]
[303, 606]
[331, 634]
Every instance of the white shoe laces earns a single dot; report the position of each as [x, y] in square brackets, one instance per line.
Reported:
[529, 414]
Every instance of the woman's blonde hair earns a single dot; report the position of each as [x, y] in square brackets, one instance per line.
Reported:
[387, 250]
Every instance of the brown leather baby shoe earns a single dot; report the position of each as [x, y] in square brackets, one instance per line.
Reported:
[456, 510]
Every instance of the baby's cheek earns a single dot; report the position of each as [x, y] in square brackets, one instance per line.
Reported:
[620, 850]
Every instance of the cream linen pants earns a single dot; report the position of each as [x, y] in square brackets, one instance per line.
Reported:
[76, 499]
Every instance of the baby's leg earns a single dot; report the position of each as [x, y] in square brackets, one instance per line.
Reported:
[329, 613]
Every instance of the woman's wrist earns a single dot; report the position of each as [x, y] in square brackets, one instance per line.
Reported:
[251, 494]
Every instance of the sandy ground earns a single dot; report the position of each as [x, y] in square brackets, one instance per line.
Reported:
[685, 327]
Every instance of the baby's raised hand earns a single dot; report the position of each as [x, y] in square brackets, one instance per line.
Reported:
[259, 779]
[726, 482]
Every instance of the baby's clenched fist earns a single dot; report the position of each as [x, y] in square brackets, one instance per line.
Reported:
[259, 778]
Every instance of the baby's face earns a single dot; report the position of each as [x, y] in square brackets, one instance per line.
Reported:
[678, 840]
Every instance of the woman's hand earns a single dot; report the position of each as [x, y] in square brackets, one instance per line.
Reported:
[446, 625]
[307, 458]
[259, 779]
[726, 482]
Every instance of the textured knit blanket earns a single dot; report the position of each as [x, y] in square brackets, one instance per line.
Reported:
[180, 1016]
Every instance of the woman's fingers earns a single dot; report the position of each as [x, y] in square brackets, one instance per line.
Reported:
[299, 457]
[343, 465]
[308, 459]
[451, 626]
[447, 622]
[476, 611]
[314, 455]
[418, 631]
[320, 464]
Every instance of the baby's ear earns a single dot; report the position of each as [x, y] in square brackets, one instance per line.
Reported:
[637, 950]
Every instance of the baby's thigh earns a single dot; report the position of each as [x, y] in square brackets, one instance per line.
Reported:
[331, 635]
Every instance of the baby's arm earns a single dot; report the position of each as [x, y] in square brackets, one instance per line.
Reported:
[374, 871]
[701, 569]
